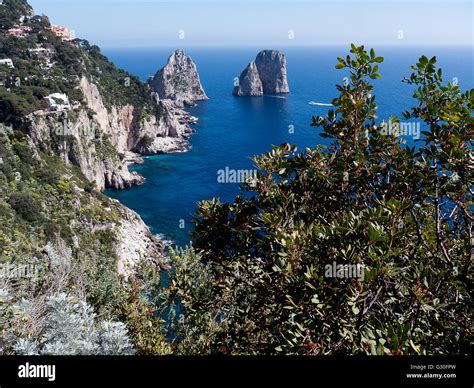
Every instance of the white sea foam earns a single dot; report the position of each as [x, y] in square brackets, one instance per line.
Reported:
[275, 96]
[165, 240]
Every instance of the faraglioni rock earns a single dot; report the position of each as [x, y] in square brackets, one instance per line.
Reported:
[250, 83]
[265, 75]
[271, 65]
[178, 81]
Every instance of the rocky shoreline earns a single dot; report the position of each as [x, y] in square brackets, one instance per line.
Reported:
[103, 141]
[102, 120]
[78, 136]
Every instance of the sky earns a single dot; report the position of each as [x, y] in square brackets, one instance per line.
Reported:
[160, 23]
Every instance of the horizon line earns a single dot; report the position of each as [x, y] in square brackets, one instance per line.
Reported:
[322, 45]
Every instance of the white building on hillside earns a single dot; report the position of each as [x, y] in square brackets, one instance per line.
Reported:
[7, 61]
[58, 102]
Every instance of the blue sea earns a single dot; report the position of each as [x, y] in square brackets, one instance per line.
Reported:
[233, 129]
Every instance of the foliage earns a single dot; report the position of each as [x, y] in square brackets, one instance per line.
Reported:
[146, 328]
[403, 214]
[193, 318]
[48, 220]
[11, 11]
[255, 280]
[26, 206]
[51, 217]
[69, 328]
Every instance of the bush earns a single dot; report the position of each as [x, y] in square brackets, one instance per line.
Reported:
[401, 215]
[48, 176]
[69, 328]
[26, 206]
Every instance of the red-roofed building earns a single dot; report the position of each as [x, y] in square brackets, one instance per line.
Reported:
[62, 32]
[20, 31]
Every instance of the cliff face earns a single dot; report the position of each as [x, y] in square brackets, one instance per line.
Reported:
[155, 133]
[265, 75]
[271, 65]
[55, 157]
[101, 141]
[134, 243]
[76, 138]
[179, 81]
[109, 117]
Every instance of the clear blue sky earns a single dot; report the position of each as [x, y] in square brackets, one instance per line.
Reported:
[153, 23]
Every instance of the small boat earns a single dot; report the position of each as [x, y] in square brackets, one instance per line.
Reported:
[319, 103]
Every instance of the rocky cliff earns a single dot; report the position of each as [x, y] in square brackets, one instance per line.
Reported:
[110, 118]
[135, 242]
[271, 65]
[102, 142]
[265, 75]
[179, 81]
[63, 158]
[57, 157]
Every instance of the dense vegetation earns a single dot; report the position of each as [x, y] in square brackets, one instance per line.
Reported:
[57, 232]
[57, 229]
[26, 85]
[11, 11]
[255, 282]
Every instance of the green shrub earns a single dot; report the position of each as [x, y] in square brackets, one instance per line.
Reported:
[27, 206]
[258, 281]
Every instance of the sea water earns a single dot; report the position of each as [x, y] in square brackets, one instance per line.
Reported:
[232, 129]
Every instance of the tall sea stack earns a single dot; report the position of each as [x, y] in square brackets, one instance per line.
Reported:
[265, 75]
[178, 81]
